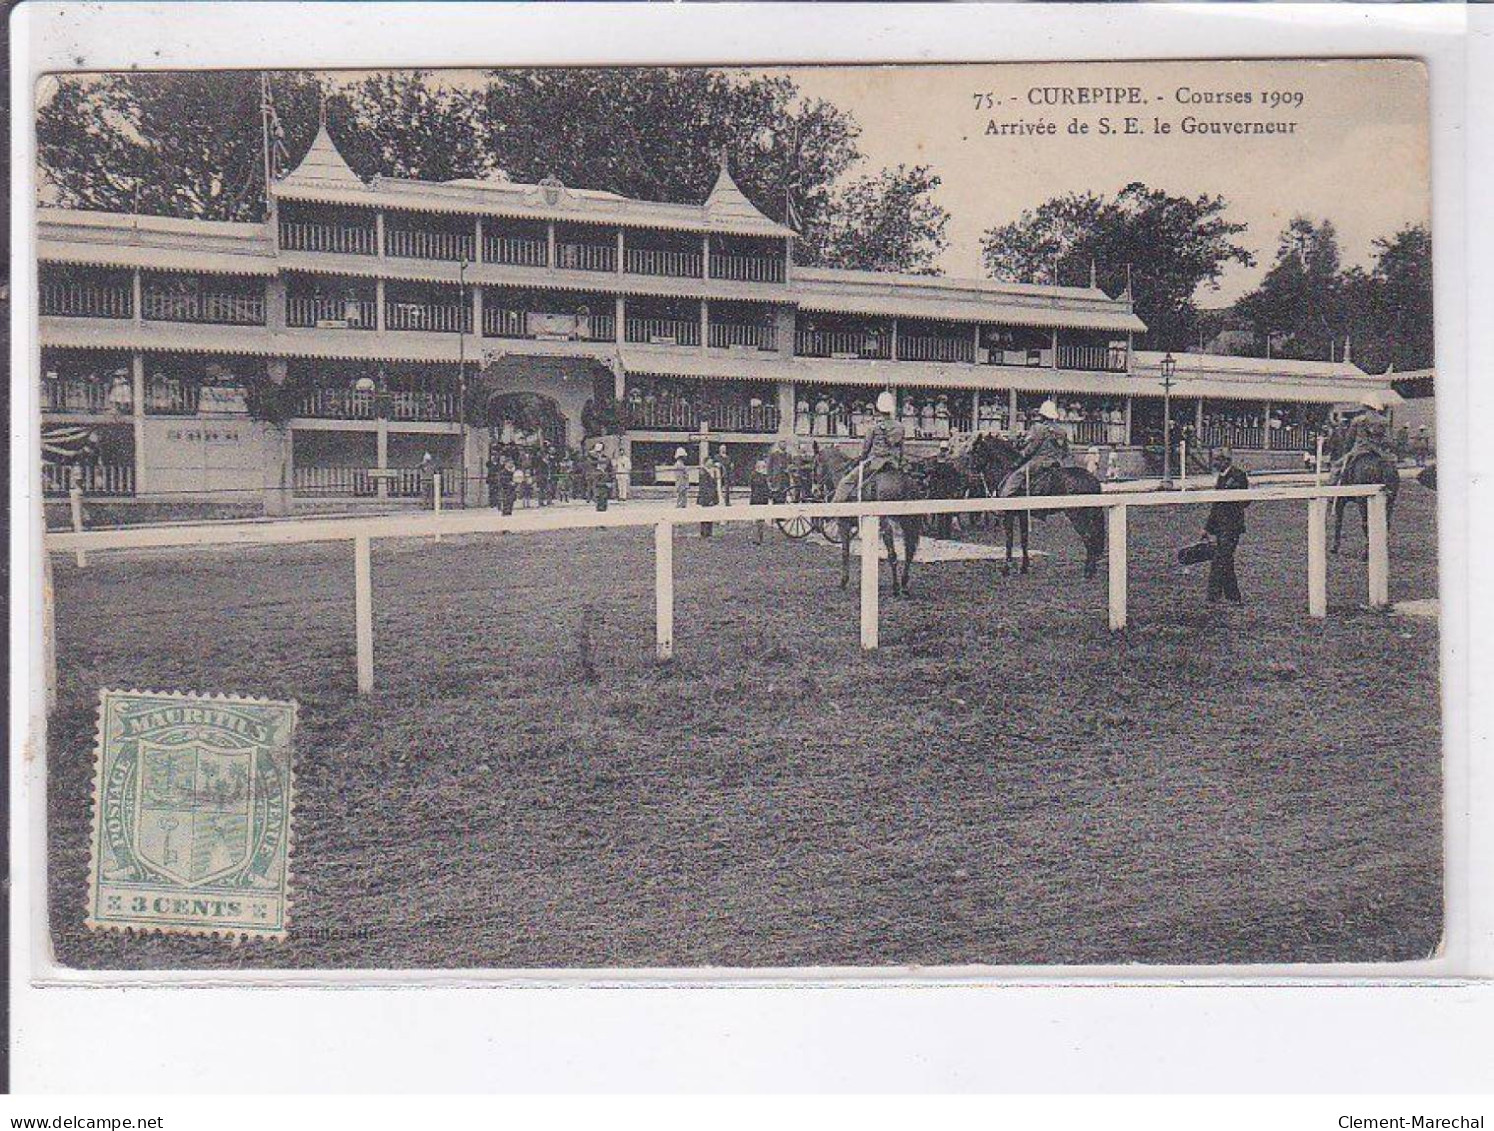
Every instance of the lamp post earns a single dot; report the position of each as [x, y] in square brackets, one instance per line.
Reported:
[1169, 370]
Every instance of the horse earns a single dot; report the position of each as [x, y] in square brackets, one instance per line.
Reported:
[950, 478]
[993, 458]
[888, 485]
[1366, 468]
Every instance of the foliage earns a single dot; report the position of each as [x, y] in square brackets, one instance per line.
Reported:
[1172, 244]
[884, 222]
[1308, 305]
[190, 144]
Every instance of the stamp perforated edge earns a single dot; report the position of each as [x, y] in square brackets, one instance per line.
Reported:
[236, 935]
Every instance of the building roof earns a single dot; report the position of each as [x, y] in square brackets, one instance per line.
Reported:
[1256, 378]
[162, 243]
[324, 177]
[940, 298]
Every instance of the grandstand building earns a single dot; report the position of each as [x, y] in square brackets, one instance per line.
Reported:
[322, 353]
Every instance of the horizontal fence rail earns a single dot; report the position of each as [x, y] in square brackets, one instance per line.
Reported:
[362, 531]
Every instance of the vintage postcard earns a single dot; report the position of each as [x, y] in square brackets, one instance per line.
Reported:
[521, 426]
[192, 815]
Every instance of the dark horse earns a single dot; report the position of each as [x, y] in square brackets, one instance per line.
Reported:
[1366, 468]
[993, 458]
[951, 479]
[887, 485]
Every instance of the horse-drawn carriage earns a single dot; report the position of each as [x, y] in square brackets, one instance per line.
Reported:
[798, 483]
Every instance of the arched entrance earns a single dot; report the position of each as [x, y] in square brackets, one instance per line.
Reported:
[526, 419]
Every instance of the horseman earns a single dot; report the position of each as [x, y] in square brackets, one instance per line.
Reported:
[882, 448]
[1046, 447]
[1369, 434]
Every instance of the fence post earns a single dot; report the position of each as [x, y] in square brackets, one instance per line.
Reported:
[1379, 551]
[436, 496]
[1317, 557]
[1317, 466]
[664, 588]
[75, 501]
[1115, 550]
[363, 610]
[869, 581]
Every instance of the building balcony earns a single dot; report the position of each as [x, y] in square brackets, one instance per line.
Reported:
[170, 397]
[75, 395]
[1036, 358]
[670, 415]
[100, 479]
[1105, 359]
[334, 239]
[1289, 438]
[358, 483]
[535, 325]
[951, 350]
[513, 251]
[747, 268]
[663, 331]
[429, 317]
[413, 243]
[86, 300]
[359, 404]
[311, 312]
[735, 335]
[217, 308]
[670, 264]
[586, 257]
[867, 345]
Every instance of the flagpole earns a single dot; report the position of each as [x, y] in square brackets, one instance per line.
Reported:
[264, 124]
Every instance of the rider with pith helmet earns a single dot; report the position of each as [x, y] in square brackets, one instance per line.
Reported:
[1369, 432]
[882, 448]
[1047, 446]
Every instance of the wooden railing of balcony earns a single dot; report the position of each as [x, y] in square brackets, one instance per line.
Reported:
[1233, 436]
[1101, 358]
[1089, 431]
[362, 404]
[682, 416]
[75, 394]
[586, 257]
[86, 300]
[747, 268]
[334, 239]
[725, 335]
[513, 251]
[936, 349]
[338, 404]
[207, 307]
[843, 343]
[498, 322]
[96, 479]
[307, 311]
[432, 317]
[413, 243]
[674, 264]
[664, 331]
[1291, 438]
[356, 482]
[170, 398]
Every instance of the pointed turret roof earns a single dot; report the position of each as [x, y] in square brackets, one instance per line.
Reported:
[322, 168]
[729, 203]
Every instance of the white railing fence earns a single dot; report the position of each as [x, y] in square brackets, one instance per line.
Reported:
[362, 532]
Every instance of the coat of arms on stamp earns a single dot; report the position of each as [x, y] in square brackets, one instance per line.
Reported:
[192, 814]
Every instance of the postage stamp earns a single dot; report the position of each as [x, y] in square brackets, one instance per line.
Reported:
[192, 814]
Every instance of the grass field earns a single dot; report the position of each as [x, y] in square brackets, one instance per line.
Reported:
[1004, 782]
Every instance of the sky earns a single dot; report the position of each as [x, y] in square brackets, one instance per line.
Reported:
[1357, 155]
[1357, 152]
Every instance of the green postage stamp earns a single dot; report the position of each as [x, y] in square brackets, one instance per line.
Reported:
[192, 815]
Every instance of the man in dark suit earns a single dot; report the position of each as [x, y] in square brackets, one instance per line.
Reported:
[1225, 524]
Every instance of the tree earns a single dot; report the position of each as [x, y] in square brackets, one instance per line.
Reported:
[1403, 273]
[405, 124]
[885, 222]
[1172, 245]
[187, 143]
[1299, 306]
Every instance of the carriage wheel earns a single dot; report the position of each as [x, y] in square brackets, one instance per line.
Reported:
[796, 527]
[828, 529]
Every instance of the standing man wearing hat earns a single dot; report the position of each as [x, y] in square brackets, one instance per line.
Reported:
[1226, 522]
[601, 475]
[1046, 447]
[883, 447]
